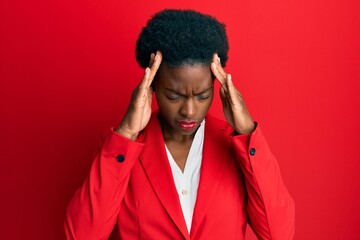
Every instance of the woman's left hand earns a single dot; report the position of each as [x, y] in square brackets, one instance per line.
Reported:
[234, 107]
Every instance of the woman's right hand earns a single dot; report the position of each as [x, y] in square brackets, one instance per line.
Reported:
[139, 110]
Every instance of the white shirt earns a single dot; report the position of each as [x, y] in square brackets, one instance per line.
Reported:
[187, 182]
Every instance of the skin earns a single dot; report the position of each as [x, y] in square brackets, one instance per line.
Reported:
[183, 93]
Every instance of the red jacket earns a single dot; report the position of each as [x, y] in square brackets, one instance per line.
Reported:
[131, 184]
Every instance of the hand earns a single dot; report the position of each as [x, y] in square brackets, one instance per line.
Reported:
[139, 110]
[234, 107]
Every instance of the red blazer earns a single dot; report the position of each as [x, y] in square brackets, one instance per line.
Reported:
[131, 184]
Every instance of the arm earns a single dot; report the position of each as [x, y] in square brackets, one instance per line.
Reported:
[92, 212]
[270, 208]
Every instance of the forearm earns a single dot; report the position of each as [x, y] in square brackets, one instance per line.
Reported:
[270, 207]
[92, 212]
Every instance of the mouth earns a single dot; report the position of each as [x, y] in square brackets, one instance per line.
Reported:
[186, 125]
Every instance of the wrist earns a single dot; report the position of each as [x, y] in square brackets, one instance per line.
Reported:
[126, 133]
[248, 129]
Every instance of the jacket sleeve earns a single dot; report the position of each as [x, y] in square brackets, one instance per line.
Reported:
[92, 212]
[270, 208]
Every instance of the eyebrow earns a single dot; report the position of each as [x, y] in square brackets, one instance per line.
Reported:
[197, 94]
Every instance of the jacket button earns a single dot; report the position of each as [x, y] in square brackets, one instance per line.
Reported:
[120, 158]
[252, 151]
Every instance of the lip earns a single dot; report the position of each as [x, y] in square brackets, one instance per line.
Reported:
[186, 125]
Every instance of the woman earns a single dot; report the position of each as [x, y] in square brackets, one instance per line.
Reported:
[179, 173]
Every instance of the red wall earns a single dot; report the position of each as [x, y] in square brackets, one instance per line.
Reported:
[68, 67]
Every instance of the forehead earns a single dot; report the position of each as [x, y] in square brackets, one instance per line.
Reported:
[196, 77]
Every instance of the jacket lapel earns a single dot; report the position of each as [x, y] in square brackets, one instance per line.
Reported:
[156, 165]
[215, 152]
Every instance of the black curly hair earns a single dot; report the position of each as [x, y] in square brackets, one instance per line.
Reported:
[184, 37]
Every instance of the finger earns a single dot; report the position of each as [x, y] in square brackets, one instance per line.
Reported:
[221, 79]
[151, 61]
[234, 94]
[155, 66]
[217, 70]
[232, 91]
[155, 61]
[145, 79]
[134, 93]
[217, 61]
[223, 97]
[141, 95]
[222, 93]
[149, 96]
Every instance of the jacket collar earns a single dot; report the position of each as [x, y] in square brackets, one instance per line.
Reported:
[215, 153]
[157, 168]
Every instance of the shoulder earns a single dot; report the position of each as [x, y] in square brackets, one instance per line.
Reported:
[213, 123]
[152, 129]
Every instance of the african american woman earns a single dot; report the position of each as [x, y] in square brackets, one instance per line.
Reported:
[178, 172]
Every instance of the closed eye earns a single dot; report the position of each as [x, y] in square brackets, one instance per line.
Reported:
[200, 97]
[174, 97]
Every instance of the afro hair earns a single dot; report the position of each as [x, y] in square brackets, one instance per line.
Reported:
[184, 37]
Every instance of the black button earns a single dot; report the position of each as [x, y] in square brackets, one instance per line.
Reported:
[120, 158]
[252, 151]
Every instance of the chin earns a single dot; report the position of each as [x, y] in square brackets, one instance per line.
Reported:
[187, 132]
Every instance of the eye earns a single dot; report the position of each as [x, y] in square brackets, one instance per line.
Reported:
[202, 97]
[173, 97]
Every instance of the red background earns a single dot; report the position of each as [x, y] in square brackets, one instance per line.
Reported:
[68, 68]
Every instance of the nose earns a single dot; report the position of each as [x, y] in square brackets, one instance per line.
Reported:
[188, 108]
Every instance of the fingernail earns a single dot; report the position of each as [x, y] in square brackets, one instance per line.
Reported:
[219, 59]
[156, 56]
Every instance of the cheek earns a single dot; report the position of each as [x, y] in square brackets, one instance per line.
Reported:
[161, 99]
[208, 103]
[203, 108]
[167, 109]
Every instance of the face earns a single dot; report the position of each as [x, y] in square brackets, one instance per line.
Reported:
[184, 95]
